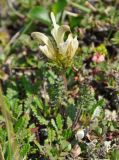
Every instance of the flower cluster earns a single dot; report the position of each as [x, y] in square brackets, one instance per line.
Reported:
[57, 49]
[99, 53]
[97, 57]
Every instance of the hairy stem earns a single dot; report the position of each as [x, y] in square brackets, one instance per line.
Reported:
[65, 80]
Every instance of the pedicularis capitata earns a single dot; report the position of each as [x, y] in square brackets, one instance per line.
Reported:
[56, 48]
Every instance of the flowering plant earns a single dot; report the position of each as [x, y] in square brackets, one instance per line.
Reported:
[58, 50]
[99, 54]
[97, 57]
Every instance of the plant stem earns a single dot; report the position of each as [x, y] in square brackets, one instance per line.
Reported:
[9, 125]
[65, 80]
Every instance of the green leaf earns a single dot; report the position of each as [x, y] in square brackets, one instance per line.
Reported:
[19, 124]
[38, 102]
[115, 39]
[54, 124]
[25, 149]
[59, 121]
[51, 134]
[22, 122]
[115, 155]
[39, 116]
[24, 39]
[67, 133]
[59, 6]
[81, 7]
[69, 122]
[39, 13]
[65, 145]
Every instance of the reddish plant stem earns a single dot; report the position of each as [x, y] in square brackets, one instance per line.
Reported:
[65, 81]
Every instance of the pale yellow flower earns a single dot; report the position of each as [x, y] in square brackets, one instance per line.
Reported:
[58, 50]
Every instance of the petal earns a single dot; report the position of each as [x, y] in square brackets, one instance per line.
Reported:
[47, 52]
[54, 32]
[94, 58]
[63, 47]
[56, 26]
[73, 46]
[53, 20]
[43, 38]
[59, 32]
[101, 58]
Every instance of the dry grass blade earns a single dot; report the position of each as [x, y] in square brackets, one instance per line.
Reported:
[9, 125]
[1, 153]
